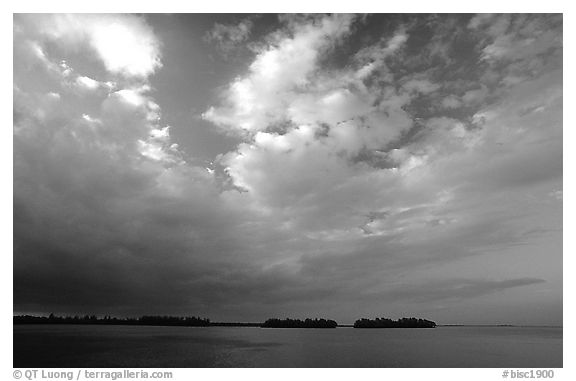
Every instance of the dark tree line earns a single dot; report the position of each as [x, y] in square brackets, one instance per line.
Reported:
[193, 321]
[189, 321]
[389, 323]
[234, 324]
[297, 323]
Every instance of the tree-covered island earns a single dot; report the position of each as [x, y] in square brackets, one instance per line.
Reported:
[297, 323]
[389, 323]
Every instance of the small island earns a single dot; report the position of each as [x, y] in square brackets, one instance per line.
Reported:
[297, 323]
[389, 323]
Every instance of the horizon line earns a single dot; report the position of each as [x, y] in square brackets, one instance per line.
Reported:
[344, 325]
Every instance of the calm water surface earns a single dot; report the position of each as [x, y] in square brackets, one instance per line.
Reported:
[133, 346]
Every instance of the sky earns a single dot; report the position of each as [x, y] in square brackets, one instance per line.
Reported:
[243, 167]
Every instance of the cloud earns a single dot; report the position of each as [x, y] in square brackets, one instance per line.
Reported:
[437, 180]
[359, 182]
[519, 37]
[87, 83]
[451, 101]
[452, 289]
[103, 207]
[254, 101]
[107, 211]
[125, 44]
[422, 86]
[229, 36]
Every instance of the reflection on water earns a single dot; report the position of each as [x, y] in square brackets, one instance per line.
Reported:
[133, 346]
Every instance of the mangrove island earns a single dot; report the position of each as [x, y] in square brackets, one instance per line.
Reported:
[297, 323]
[389, 323]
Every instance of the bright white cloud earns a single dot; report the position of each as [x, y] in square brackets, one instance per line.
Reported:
[87, 83]
[276, 75]
[125, 44]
